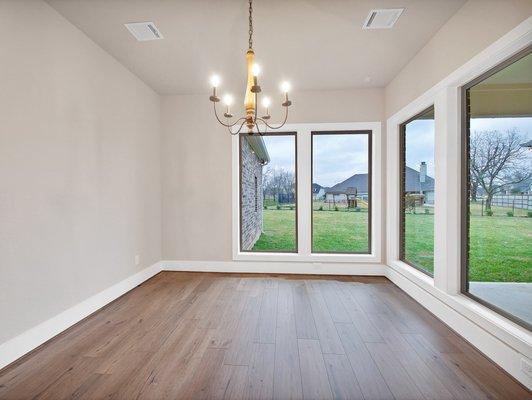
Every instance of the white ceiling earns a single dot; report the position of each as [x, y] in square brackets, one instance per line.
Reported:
[316, 44]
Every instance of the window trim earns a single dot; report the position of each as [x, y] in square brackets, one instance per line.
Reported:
[318, 263]
[283, 133]
[370, 185]
[465, 183]
[402, 169]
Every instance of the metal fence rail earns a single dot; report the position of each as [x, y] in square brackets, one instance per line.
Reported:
[521, 201]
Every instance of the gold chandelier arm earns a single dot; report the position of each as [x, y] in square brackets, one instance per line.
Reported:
[239, 129]
[224, 124]
[275, 127]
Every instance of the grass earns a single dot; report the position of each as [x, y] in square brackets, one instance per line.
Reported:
[279, 231]
[337, 231]
[500, 245]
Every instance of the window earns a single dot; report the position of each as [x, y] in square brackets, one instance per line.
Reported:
[416, 158]
[268, 206]
[341, 192]
[497, 189]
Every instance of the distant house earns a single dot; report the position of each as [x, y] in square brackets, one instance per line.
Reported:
[415, 182]
[318, 192]
[340, 192]
[254, 157]
[418, 182]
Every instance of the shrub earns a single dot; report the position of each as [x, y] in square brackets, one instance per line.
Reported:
[427, 211]
[291, 207]
[529, 214]
[265, 207]
[321, 208]
[357, 209]
[510, 213]
[489, 213]
[336, 208]
[278, 207]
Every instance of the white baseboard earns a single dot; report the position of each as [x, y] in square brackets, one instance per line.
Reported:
[504, 350]
[34, 337]
[319, 268]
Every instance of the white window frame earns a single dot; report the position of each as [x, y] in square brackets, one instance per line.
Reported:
[445, 286]
[304, 198]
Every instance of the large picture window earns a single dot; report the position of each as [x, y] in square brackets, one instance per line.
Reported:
[341, 192]
[497, 189]
[268, 193]
[416, 225]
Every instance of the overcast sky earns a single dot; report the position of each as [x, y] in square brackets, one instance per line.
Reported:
[420, 144]
[337, 157]
[282, 151]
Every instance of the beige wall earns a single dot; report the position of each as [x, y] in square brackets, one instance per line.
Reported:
[475, 26]
[79, 168]
[197, 165]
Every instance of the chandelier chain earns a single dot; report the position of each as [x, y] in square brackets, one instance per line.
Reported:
[250, 24]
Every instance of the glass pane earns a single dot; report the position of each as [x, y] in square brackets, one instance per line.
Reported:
[268, 193]
[341, 184]
[418, 192]
[500, 195]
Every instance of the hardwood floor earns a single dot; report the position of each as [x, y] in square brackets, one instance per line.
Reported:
[214, 336]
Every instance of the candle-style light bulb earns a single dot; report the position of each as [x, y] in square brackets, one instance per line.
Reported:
[255, 69]
[285, 87]
[215, 81]
[266, 104]
[228, 100]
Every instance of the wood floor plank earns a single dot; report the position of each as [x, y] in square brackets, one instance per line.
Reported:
[201, 383]
[343, 383]
[305, 326]
[368, 332]
[329, 341]
[287, 372]
[268, 316]
[397, 378]
[330, 292]
[230, 383]
[249, 336]
[261, 372]
[313, 372]
[426, 381]
[456, 382]
[240, 350]
[368, 375]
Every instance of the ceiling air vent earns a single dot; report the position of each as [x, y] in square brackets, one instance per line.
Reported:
[383, 18]
[144, 31]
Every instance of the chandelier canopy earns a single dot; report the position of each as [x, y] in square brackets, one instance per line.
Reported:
[251, 120]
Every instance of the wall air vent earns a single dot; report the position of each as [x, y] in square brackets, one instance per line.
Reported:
[382, 18]
[143, 31]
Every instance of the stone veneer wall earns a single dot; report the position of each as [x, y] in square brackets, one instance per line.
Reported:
[251, 227]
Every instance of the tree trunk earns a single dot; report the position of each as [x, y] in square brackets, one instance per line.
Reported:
[489, 199]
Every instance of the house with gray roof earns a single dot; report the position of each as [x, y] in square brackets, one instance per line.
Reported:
[415, 182]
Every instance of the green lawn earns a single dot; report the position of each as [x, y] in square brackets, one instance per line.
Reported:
[279, 231]
[500, 245]
[340, 231]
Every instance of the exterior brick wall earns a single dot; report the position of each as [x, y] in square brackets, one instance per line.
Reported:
[251, 197]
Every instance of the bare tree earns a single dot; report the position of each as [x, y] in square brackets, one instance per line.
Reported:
[278, 181]
[496, 161]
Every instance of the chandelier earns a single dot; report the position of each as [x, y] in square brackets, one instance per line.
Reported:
[251, 120]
